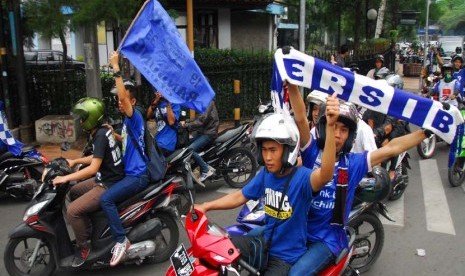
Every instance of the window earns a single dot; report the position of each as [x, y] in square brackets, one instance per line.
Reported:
[206, 29]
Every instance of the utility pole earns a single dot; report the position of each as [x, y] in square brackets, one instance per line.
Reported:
[302, 26]
[190, 37]
[25, 127]
[4, 70]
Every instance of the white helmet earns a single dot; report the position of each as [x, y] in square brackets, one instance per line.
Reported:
[282, 130]
[317, 97]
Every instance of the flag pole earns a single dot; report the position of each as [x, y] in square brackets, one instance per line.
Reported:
[130, 26]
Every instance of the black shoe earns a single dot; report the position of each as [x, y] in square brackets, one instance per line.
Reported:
[80, 257]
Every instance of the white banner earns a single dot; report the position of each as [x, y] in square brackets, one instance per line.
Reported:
[307, 71]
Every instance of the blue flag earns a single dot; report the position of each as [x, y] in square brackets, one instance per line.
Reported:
[6, 137]
[155, 47]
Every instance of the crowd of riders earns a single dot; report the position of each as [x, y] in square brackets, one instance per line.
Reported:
[334, 142]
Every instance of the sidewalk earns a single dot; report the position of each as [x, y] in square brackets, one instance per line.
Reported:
[52, 151]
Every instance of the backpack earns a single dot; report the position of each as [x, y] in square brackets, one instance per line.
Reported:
[154, 159]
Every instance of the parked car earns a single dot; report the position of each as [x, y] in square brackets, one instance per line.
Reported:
[51, 59]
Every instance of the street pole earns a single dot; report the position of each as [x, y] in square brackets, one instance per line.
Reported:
[425, 52]
[190, 38]
[302, 26]
[4, 69]
[25, 127]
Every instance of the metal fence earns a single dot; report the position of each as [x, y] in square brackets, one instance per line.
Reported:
[51, 92]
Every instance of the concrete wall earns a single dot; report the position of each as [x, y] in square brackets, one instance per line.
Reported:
[250, 30]
[57, 129]
[224, 29]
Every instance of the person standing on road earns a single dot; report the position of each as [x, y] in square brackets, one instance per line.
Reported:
[136, 178]
[105, 164]
[206, 125]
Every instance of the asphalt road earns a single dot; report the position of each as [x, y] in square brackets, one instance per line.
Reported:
[429, 216]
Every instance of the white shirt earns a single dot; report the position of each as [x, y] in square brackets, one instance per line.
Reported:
[365, 139]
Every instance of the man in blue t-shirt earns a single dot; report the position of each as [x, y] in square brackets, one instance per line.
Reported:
[287, 191]
[135, 168]
[326, 225]
[166, 117]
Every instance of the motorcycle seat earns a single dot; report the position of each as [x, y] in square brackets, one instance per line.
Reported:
[227, 134]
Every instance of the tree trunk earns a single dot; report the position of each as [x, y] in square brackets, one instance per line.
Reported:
[358, 12]
[93, 82]
[65, 53]
[379, 22]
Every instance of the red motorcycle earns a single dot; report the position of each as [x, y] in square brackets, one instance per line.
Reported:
[213, 253]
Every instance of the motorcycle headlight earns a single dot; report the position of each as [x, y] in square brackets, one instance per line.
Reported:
[34, 209]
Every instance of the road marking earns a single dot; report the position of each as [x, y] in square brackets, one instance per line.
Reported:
[226, 190]
[438, 218]
[396, 212]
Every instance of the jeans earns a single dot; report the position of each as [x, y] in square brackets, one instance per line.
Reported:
[120, 191]
[318, 256]
[197, 144]
[85, 196]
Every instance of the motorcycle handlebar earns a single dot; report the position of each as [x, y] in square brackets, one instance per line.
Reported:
[248, 267]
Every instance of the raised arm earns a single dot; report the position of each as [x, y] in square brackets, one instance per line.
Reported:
[323, 175]
[123, 95]
[300, 114]
[397, 146]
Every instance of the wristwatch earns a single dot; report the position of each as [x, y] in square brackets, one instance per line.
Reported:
[117, 74]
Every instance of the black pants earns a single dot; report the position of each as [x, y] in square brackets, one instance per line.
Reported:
[253, 251]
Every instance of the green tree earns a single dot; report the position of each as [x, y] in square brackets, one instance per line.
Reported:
[452, 18]
[46, 18]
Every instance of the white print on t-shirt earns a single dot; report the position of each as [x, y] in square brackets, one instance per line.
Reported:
[272, 201]
[115, 152]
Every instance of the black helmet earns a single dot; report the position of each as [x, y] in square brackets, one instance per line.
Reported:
[382, 73]
[379, 57]
[128, 84]
[375, 188]
[457, 57]
[354, 68]
[348, 115]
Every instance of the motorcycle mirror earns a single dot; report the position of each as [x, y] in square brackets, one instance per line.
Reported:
[65, 146]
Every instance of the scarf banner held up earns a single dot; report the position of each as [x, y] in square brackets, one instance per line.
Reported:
[6, 137]
[155, 47]
[303, 70]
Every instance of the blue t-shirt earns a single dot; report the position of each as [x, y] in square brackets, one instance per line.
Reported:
[289, 238]
[134, 164]
[321, 211]
[167, 135]
[460, 76]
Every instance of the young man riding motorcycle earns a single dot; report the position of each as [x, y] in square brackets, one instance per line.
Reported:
[135, 168]
[326, 223]
[288, 191]
[105, 163]
[206, 126]
[448, 88]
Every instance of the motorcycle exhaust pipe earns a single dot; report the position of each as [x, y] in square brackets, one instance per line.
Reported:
[145, 231]
[140, 250]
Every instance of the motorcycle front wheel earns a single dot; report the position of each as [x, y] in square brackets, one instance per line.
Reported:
[399, 190]
[18, 254]
[166, 241]
[368, 242]
[426, 148]
[239, 167]
[456, 173]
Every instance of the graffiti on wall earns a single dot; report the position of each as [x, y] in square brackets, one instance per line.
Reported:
[60, 128]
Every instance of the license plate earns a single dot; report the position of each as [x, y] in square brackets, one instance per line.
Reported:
[181, 262]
